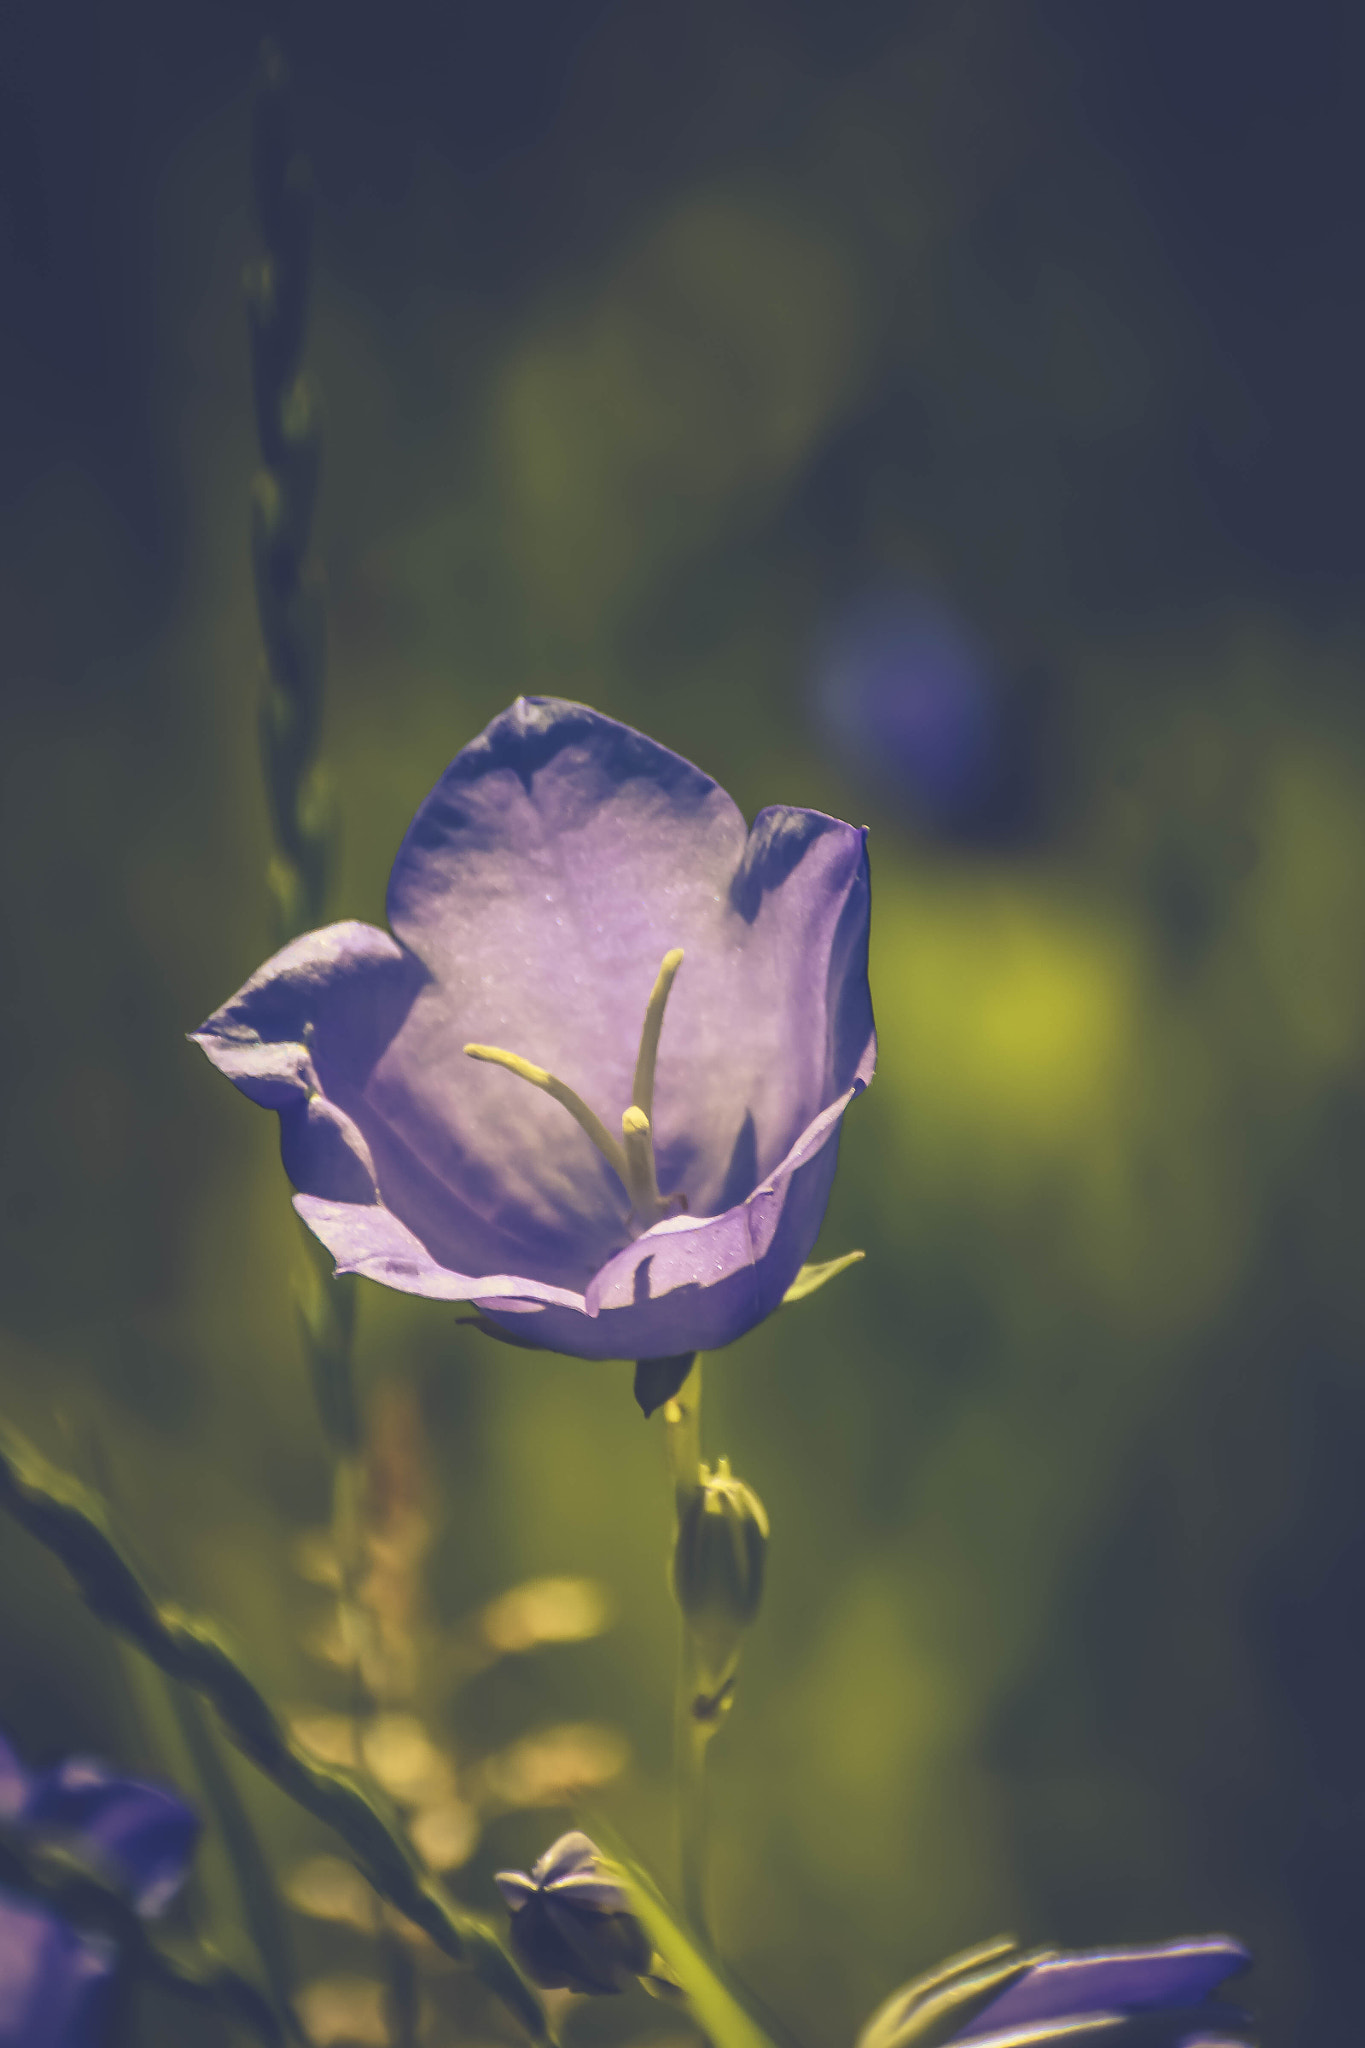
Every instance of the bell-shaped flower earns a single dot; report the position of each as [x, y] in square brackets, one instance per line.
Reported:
[572, 1928]
[998, 1996]
[56, 1981]
[593, 1084]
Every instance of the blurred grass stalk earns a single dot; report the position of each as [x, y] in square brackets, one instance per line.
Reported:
[289, 601]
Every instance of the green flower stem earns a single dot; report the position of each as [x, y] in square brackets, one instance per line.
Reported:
[71, 1521]
[690, 1740]
[682, 1437]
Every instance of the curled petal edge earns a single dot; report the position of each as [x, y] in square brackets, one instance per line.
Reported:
[689, 1283]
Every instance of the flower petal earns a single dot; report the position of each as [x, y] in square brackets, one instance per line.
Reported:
[54, 1983]
[370, 1240]
[570, 1854]
[541, 883]
[1176, 1973]
[301, 1038]
[145, 1833]
[701, 1251]
[690, 1284]
[516, 1888]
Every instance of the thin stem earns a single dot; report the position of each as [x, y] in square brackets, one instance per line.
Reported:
[682, 1437]
[689, 1767]
[348, 1547]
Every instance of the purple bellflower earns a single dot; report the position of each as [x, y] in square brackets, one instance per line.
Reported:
[999, 1997]
[56, 1983]
[572, 1927]
[657, 1187]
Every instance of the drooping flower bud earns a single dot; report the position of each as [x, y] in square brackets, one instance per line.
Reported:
[572, 1928]
[718, 1567]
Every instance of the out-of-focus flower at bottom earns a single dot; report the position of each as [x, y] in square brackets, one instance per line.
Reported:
[55, 1982]
[917, 707]
[572, 1927]
[998, 1996]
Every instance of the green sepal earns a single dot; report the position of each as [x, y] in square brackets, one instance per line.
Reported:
[814, 1276]
[658, 1379]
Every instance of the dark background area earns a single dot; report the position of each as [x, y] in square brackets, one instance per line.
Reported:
[657, 344]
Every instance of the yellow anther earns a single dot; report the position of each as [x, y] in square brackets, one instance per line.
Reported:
[538, 1077]
[642, 1095]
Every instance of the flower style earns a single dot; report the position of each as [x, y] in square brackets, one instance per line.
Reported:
[572, 1928]
[576, 908]
[55, 1983]
[998, 1996]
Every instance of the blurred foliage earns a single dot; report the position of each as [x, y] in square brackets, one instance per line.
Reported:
[1067, 1558]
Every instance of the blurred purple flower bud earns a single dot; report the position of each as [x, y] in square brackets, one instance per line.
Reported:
[572, 1928]
[913, 702]
[996, 1996]
[55, 1983]
[559, 877]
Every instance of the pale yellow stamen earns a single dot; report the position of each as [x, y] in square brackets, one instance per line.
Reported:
[642, 1096]
[631, 1158]
[610, 1148]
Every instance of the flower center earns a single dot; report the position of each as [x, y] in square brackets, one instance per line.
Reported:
[631, 1156]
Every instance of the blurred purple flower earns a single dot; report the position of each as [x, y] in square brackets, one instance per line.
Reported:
[572, 1928]
[1160, 1997]
[56, 1983]
[558, 862]
[913, 702]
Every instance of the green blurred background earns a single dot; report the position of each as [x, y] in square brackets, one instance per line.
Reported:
[649, 338]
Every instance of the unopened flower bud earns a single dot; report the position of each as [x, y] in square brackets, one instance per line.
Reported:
[718, 1566]
[572, 1928]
